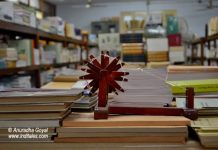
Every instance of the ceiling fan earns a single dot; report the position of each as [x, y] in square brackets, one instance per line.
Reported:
[89, 4]
[209, 4]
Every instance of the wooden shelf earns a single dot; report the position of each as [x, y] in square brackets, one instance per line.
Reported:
[17, 28]
[91, 44]
[204, 41]
[22, 29]
[35, 34]
[10, 71]
[197, 41]
[212, 37]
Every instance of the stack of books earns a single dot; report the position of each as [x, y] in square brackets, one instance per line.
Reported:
[146, 88]
[26, 113]
[205, 100]
[157, 50]
[85, 103]
[132, 47]
[133, 52]
[206, 129]
[82, 128]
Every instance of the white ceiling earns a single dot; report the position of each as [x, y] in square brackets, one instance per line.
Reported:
[78, 2]
[81, 2]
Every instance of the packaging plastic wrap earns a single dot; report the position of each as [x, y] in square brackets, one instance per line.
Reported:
[155, 31]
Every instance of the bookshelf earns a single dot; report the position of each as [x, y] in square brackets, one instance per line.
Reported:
[14, 29]
[203, 42]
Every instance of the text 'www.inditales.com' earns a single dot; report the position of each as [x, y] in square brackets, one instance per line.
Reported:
[28, 133]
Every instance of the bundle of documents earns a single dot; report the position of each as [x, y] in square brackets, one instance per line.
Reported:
[26, 112]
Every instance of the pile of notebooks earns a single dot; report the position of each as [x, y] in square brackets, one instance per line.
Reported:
[26, 112]
[82, 128]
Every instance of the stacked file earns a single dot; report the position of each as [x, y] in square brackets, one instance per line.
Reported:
[82, 128]
[132, 47]
[33, 114]
[157, 49]
[133, 52]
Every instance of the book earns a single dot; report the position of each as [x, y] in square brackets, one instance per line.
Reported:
[175, 76]
[40, 123]
[39, 96]
[205, 122]
[200, 86]
[33, 116]
[58, 85]
[87, 120]
[62, 82]
[144, 139]
[46, 107]
[81, 84]
[66, 78]
[117, 134]
[162, 64]
[126, 129]
[174, 68]
[25, 51]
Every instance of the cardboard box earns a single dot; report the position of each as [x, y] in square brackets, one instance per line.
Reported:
[177, 54]
[58, 24]
[109, 41]
[69, 30]
[175, 39]
[7, 11]
[24, 15]
[157, 44]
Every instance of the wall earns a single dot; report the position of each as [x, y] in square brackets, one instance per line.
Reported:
[196, 14]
